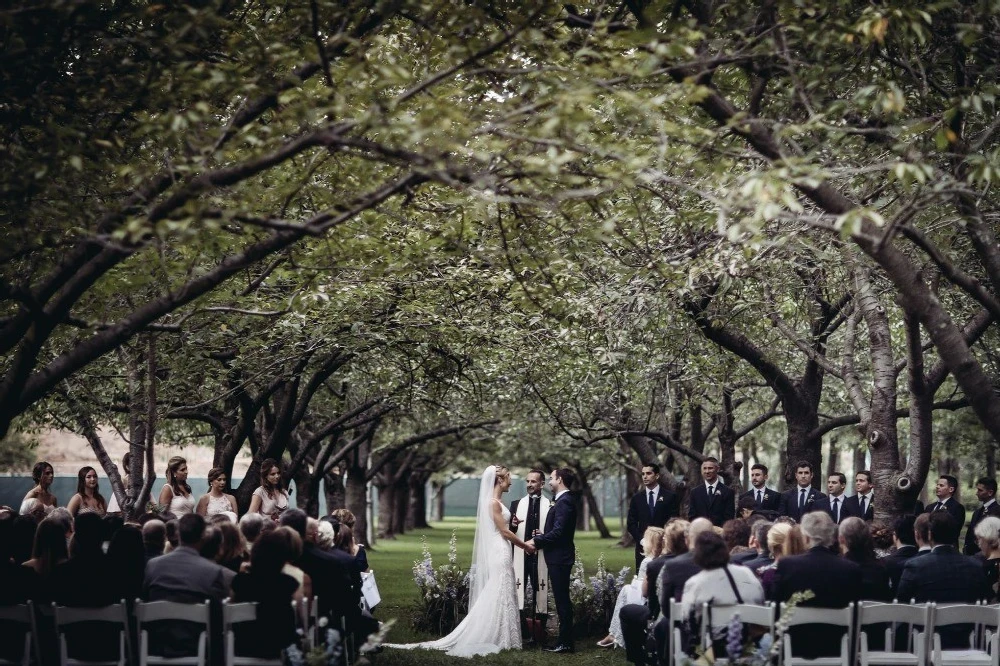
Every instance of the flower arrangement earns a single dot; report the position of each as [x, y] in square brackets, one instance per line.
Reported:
[328, 653]
[594, 598]
[444, 591]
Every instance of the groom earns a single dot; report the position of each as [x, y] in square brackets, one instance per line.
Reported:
[557, 543]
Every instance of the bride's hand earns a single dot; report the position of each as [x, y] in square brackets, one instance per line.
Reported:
[529, 548]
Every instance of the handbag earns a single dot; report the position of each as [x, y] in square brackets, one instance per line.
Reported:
[369, 590]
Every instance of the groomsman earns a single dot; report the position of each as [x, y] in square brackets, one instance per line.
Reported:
[986, 492]
[861, 504]
[836, 484]
[945, 489]
[652, 506]
[527, 515]
[803, 498]
[764, 498]
[712, 499]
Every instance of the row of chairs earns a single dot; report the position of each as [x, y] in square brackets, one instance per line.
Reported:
[919, 624]
[29, 617]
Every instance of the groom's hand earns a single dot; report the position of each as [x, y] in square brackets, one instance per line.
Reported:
[529, 547]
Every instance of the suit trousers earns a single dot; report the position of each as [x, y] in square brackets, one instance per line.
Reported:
[559, 576]
[633, 620]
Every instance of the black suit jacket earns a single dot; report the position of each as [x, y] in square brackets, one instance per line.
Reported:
[954, 509]
[334, 580]
[770, 502]
[673, 575]
[852, 507]
[971, 547]
[894, 565]
[556, 540]
[834, 581]
[815, 501]
[638, 512]
[719, 508]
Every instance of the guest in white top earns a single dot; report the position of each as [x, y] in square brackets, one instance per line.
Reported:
[216, 501]
[270, 499]
[176, 493]
[718, 583]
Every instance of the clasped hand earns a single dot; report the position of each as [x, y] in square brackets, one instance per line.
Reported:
[529, 547]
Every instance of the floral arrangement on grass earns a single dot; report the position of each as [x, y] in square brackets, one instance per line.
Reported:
[328, 653]
[444, 591]
[594, 598]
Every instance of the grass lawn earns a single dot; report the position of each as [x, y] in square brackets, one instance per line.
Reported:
[393, 562]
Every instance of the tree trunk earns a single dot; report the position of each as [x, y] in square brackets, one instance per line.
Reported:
[356, 499]
[401, 505]
[333, 490]
[386, 511]
[416, 513]
[592, 506]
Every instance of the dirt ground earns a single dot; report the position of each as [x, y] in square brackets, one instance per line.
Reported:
[68, 452]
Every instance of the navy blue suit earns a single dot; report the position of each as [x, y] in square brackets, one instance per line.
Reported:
[852, 507]
[718, 508]
[556, 544]
[771, 501]
[639, 517]
[954, 509]
[815, 501]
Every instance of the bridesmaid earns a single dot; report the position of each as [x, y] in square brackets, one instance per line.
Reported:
[42, 474]
[215, 501]
[88, 498]
[176, 493]
[270, 499]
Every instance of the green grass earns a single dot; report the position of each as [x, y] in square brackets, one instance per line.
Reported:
[393, 563]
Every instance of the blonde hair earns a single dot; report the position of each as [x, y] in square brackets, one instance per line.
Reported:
[784, 539]
[654, 537]
[502, 472]
[675, 536]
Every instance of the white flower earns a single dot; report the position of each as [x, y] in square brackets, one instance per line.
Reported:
[323, 621]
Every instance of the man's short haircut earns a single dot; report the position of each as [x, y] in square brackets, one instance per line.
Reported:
[819, 528]
[759, 466]
[943, 528]
[903, 528]
[760, 531]
[988, 483]
[653, 466]
[921, 527]
[710, 551]
[735, 533]
[840, 476]
[250, 525]
[190, 529]
[746, 503]
[540, 473]
[804, 463]
[212, 543]
[567, 476]
[867, 474]
[88, 534]
[951, 481]
[711, 459]
[296, 519]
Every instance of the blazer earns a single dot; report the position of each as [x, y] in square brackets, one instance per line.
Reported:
[770, 502]
[556, 540]
[844, 509]
[894, 565]
[971, 547]
[335, 580]
[719, 508]
[954, 509]
[638, 512]
[673, 576]
[852, 507]
[815, 500]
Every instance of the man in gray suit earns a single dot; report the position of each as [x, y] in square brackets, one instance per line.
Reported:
[182, 575]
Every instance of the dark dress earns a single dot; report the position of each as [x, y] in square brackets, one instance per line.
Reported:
[274, 629]
[992, 570]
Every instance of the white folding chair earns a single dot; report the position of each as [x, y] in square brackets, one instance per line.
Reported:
[114, 614]
[157, 611]
[761, 616]
[676, 636]
[838, 617]
[22, 616]
[979, 652]
[233, 614]
[872, 613]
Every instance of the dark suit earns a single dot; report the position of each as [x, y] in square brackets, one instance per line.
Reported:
[944, 576]
[971, 547]
[758, 562]
[815, 501]
[771, 501]
[639, 517]
[718, 508]
[834, 581]
[335, 581]
[894, 565]
[844, 511]
[184, 576]
[556, 544]
[954, 509]
[852, 507]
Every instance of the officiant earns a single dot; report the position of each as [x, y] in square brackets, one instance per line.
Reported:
[527, 514]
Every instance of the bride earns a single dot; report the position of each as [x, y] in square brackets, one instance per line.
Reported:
[493, 622]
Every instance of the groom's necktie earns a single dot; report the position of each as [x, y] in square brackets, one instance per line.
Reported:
[652, 505]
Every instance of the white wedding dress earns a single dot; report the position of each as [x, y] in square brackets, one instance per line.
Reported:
[493, 622]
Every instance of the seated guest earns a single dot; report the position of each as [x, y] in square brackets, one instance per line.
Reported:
[85, 579]
[719, 583]
[854, 537]
[232, 551]
[736, 534]
[834, 582]
[988, 544]
[12, 575]
[881, 539]
[922, 533]
[758, 541]
[325, 535]
[49, 552]
[783, 539]
[22, 535]
[154, 538]
[184, 576]
[250, 526]
[651, 546]
[944, 576]
[173, 538]
[905, 547]
[127, 561]
[293, 543]
[745, 507]
[345, 541]
[273, 591]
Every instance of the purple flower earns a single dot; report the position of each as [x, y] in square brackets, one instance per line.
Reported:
[734, 638]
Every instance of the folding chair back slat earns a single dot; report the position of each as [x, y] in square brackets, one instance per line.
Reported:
[837, 617]
[19, 614]
[157, 611]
